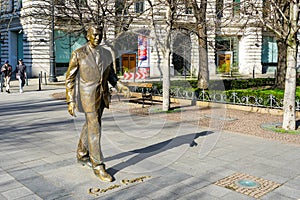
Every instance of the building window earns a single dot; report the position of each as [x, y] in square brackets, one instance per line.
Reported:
[59, 2]
[1, 40]
[236, 7]
[7, 6]
[219, 8]
[139, 7]
[19, 5]
[120, 8]
[188, 10]
[269, 50]
[269, 54]
[81, 3]
[66, 43]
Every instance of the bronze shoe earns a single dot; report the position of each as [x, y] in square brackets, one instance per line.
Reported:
[84, 161]
[100, 172]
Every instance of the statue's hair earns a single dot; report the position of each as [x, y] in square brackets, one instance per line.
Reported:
[97, 27]
[91, 28]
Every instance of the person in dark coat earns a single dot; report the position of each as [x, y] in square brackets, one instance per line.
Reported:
[7, 71]
[21, 74]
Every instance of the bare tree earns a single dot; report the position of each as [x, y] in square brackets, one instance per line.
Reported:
[199, 10]
[274, 16]
[198, 26]
[208, 18]
[74, 16]
[162, 35]
[282, 19]
[124, 15]
[289, 117]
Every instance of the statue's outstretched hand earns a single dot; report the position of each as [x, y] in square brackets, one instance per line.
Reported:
[123, 89]
[71, 108]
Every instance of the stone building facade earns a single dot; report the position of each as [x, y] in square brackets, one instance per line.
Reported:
[231, 47]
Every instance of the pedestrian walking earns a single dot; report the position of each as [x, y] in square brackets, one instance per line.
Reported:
[1, 81]
[21, 74]
[7, 71]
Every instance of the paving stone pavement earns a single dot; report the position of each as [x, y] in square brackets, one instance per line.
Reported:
[156, 158]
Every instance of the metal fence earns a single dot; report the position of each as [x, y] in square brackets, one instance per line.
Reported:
[222, 97]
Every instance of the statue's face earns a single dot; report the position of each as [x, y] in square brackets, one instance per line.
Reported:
[94, 36]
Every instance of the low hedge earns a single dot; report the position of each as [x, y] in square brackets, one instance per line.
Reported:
[233, 84]
[226, 84]
[229, 85]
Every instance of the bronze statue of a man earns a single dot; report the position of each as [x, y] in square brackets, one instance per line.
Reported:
[91, 65]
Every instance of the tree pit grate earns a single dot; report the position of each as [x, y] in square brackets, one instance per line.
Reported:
[248, 185]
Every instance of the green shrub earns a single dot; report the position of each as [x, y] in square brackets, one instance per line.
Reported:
[230, 85]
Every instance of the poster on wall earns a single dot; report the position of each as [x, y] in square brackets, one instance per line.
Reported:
[143, 55]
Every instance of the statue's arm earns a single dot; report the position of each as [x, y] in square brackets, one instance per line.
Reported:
[112, 78]
[70, 83]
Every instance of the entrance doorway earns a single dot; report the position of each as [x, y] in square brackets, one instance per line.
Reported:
[15, 47]
[128, 62]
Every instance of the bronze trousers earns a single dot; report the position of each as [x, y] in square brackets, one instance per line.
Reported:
[90, 138]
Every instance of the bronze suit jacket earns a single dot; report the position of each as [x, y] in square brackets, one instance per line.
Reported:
[93, 70]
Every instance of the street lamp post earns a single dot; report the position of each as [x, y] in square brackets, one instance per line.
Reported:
[52, 76]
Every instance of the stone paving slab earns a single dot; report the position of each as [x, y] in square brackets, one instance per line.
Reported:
[38, 142]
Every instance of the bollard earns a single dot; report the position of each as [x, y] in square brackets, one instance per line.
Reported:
[1, 82]
[41, 76]
[40, 82]
[45, 78]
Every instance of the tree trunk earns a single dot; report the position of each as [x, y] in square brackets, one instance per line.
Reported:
[166, 58]
[200, 15]
[281, 68]
[166, 81]
[289, 115]
[203, 74]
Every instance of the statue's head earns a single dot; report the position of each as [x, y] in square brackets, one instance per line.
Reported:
[94, 35]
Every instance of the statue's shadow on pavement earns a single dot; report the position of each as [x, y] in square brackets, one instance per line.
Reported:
[152, 150]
